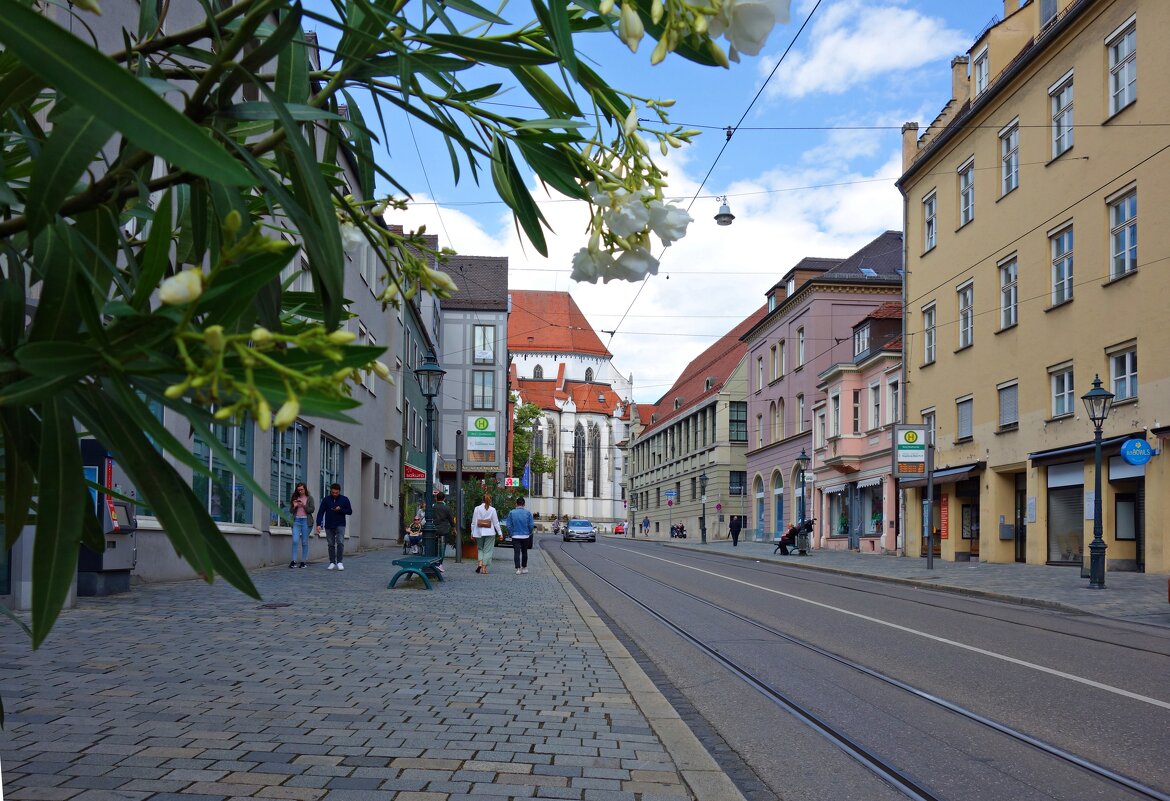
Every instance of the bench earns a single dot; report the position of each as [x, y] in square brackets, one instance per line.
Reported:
[417, 566]
[801, 542]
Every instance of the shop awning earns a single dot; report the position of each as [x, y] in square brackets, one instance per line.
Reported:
[1083, 448]
[412, 473]
[869, 482]
[951, 475]
[834, 490]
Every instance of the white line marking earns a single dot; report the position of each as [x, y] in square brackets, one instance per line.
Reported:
[984, 652]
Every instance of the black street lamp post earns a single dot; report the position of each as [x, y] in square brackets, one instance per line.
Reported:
[703, 518]
[802, 462]
[430, 378]
[1098, 403]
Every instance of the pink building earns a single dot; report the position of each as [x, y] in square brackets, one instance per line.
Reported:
[859, 401]
[809, 326]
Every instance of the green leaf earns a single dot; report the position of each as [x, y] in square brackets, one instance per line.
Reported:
[362, 145]
[49, 359]
[114, 96]
[292, 71]
[511, 187]
[34, 389]
[237, 285]
[255, 110]
[547, 124]
[474, 10]
[545, 91]
[57, 316]
[156, 254]
[555, 20]
[12, 308]
[61, 506]
[18, 87]
[19, 488]
[487, 51]
[553, 166]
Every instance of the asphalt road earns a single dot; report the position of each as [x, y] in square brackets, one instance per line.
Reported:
[1096, 688]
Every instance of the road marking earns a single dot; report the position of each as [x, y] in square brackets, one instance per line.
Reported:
[974, 649]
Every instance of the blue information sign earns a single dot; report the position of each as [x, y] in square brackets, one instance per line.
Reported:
[1136, 451]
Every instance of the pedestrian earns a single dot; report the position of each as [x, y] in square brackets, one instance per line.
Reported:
[519, 522]
[442, 518]
[682, 531]
[485, 527]
[646, 525]
[734, 528]
[301, 506]
[414, 532]
[332, 515]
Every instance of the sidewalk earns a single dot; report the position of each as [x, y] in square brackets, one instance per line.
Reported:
[337, 689]
[1136, 597]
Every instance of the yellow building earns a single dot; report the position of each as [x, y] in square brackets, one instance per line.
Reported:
[1026, 278]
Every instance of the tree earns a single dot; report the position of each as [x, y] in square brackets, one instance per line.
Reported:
[154, 187]
[526, 415]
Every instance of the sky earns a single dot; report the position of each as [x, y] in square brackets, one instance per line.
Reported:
[810, 171]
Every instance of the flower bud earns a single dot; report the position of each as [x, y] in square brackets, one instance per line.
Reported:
[176, 390]
[605, 7]
[659, 53]
[631, 123]
[656, 11]
[263, 414]
[261, 335]
[630, 29]
[340, 337]
[382, 371]
[89, 5]
[224, 413]
[232, 222]
[287, 414]
[214, 338]
[182, 288]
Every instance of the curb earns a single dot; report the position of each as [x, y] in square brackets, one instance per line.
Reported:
[699, 770]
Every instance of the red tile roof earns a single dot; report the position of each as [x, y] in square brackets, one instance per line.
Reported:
[716, 363]
[550, 322]
[891, 310]
[587, 397]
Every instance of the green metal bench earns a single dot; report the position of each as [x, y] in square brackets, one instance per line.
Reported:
[417, 566]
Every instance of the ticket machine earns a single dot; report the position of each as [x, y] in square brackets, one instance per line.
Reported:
[107, 572]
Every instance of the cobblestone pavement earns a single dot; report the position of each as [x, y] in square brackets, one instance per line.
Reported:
[337, 689]
[1137, 597]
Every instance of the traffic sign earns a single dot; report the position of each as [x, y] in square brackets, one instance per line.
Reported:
[718, 507]
[909, 451]
[669, 502]
[670, 493]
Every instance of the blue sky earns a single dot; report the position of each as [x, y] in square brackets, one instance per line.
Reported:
[858, 71]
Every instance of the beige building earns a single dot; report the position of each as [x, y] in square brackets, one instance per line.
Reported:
[1026, 278]
[698, 428]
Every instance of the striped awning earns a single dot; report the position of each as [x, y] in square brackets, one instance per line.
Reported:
[869, 482]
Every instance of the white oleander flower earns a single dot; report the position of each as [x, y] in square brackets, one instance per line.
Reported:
[182, 288]
[747, 23]
[589, 265]
[351, 237]
[633, 265]
[627, 213]
[668, 222]
[630, 28]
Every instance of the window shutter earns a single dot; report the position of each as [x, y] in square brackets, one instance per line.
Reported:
[964, 419]
[1009, 412]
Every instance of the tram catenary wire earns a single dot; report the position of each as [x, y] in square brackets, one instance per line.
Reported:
[881, 767]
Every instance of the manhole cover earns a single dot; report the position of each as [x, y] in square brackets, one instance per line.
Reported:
[274, 606]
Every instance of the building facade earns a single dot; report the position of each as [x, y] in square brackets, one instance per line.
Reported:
[697, 429]
[1025, 280]
[857, 406]
[808, 328]
[559, 363]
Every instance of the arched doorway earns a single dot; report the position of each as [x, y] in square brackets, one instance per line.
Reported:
[778, 520]
[758, 489]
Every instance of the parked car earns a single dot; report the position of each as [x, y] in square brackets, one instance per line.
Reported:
[620, 528]
[579, 530]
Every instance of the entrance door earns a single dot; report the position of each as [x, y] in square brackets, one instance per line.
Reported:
[1021, 517]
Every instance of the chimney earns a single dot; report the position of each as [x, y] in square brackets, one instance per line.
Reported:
[1010, 7]
[960, 84]
[909, 144]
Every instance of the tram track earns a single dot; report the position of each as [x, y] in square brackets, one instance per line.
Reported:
[883, 768]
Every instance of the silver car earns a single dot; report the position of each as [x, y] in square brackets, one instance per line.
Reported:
[581, 530]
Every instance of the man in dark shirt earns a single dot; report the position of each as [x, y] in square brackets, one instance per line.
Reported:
[332, 514]
[442, 517]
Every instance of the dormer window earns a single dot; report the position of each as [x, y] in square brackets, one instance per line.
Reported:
[538, 372]
[710, 382]
[677, 402]
[790, 287]
[588, 375]
[861, 340]
[771, 302]
[981, 71]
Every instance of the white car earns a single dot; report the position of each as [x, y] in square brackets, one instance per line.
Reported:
[579, 530]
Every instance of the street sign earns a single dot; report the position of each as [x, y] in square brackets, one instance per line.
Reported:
[671, 493]
[718, 507]
[669, 502]
[909, 451]
[512, 482]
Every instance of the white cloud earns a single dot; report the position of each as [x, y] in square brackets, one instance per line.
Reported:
[854, 42]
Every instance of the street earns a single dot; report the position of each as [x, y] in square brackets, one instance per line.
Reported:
[1047, 675]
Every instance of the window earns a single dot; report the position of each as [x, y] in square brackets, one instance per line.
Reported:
[981, 72]
[776, 432]
[771, 302]
[780, 427]
[857, 411]
[759, 373]
[963, 410]
[693, 484]
[875, 406]
[1009, 156]
[1009, 406]
[485, 344]
[966, 295]
[1062, 116]
[819, 432]
[790, 287]
[928, 423]
[737, 484]
[783, 358]
[894, 414]
[800, 347]
[759, 430]
[835, 416]
[929, 221]
[588, 375]
[1122, 69]
[1063, 398]
[288, 464]
[332, 465]
[1123, 368]
[538, 372]
[1062, 266]
[483, 390]
[928, 334]
[800, 414]
[967, 193]
[737, 421]
[225, 497]
[861, 340]
[1009, 295]
[1123, 235]
[775, 363]
[366, 338]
